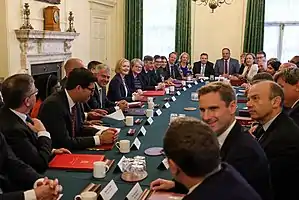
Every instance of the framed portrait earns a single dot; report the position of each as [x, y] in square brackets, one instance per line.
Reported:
[50, 1]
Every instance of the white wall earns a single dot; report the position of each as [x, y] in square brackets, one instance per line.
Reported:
[81, 48]
[213, 31]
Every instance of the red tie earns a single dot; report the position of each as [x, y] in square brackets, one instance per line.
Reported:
[225, 67]
[73, 116]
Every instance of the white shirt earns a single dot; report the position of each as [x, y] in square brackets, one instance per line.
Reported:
[23, 117]
[252, 71]
[295, 103]
[267, 125]
[71, 104]
[203, 68]
[221, 138]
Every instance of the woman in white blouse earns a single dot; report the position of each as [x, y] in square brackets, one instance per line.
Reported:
[250, 68]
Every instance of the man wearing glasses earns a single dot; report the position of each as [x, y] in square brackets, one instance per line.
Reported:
[261, 61]
[61, 114]
[27, 137]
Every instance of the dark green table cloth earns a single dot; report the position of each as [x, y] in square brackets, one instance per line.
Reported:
[74, 181]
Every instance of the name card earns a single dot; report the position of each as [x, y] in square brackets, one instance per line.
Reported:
[166, 105]
[173, 98]
[136, 144]
[142, 131]
[201, 80]
[109, 191]
[189, 86]
[135, 192]
[178, 93]
[158, 112]
[184, 88]
[149, 121]
[119, 166]
[195, 82]
[164, 164]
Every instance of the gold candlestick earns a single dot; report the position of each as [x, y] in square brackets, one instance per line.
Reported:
[26, 14]
[71, 23]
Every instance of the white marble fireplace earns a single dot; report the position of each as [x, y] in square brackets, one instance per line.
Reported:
[44, 52]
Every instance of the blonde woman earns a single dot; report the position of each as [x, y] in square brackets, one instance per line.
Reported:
[118, 87]
[184, 66]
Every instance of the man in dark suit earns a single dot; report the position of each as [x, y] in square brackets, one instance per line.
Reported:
[288, 79]
[30, 142]
[172, 68]
[203, 66]
[278, 136]
[99, 99]
[72, 63]
[61, 114]
[150, 74]
[226, 65]
[13, 172]
[193, 155]
[217, 104]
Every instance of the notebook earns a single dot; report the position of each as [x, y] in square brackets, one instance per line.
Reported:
[75, 161]
[154, 93]
[135, 112]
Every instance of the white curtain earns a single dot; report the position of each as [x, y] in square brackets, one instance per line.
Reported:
[159, 17]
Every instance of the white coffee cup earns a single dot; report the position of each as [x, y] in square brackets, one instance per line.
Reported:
[129, 120]
[184, 83]
[100, 169]
[171, 88]
[150, 105]
[149, 112]
[89, 195]
[150, 99]
[123, 146]
[167, 90]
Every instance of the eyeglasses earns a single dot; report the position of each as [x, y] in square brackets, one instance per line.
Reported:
[33, 93]
[90, 89]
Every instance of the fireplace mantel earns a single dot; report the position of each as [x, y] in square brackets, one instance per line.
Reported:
[38, 47]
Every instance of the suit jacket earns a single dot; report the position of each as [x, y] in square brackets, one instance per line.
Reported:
[56, 117]
[170, 74]
[34, 151]
[234, 66]
[95, 101]
[116, 90]
[19, 195]
[281, 145]
[145, 85]
[15, 172]
[294, 113]
[209, 70]
[241, 150]
[227, 184]
[63, 82]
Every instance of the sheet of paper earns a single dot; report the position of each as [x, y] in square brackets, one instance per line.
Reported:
[103, 128]
[117, 115]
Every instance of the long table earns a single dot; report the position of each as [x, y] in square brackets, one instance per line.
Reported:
[74, 181]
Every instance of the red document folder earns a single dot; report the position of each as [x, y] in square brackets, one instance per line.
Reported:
[154, 93]
[75, 161]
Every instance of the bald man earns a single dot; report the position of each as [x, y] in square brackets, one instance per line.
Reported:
[278, 135]
[70, 65]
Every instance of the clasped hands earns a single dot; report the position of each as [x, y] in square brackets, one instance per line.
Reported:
[47, 189]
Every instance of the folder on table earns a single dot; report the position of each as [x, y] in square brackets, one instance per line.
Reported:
[154, 93]
[135, 112]
[75, 161]
[144, 99]
[137, 104]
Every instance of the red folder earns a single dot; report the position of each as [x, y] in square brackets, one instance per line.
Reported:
[154, 93]
[75, 161]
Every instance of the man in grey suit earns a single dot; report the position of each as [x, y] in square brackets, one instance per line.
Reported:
[226, 65]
